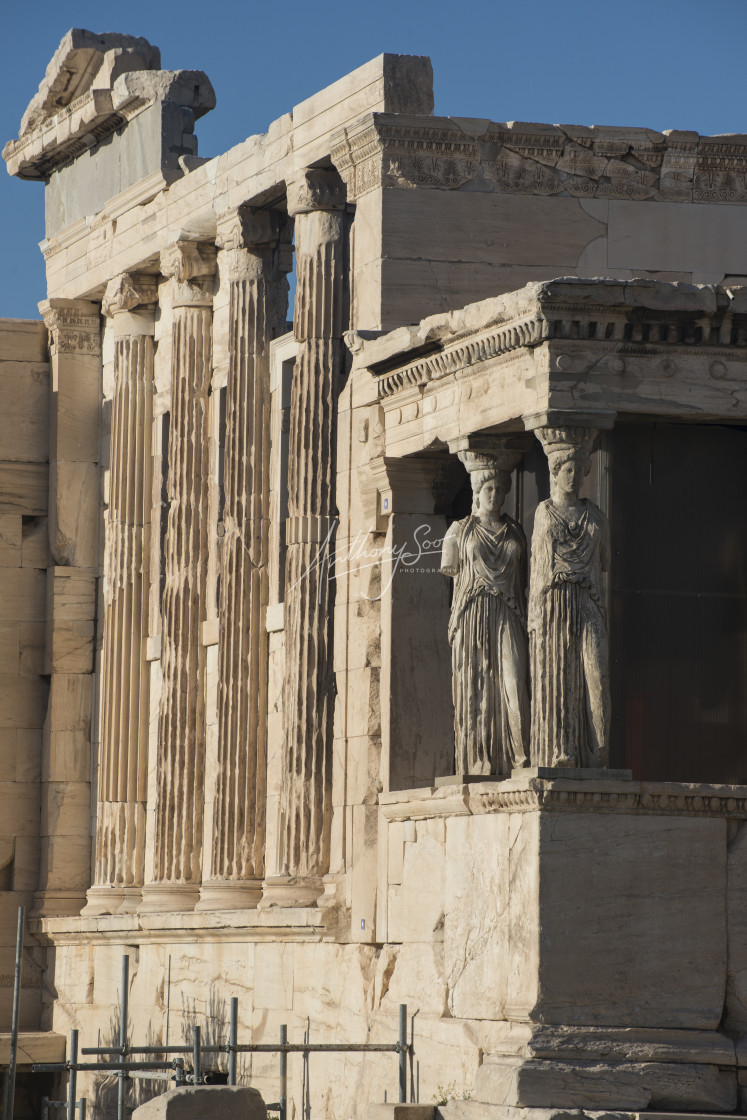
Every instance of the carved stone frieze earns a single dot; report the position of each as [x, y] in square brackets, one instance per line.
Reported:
[689, 801]
[385, 152]
[530, 794]
[720, 172]
[541, 160]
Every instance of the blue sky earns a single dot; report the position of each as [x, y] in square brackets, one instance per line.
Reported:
[656, 63]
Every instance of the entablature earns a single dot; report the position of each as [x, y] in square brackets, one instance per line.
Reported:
[640, 347]
[520, 157]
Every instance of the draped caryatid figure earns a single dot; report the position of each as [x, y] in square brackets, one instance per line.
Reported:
[567, 612]
[486, 555]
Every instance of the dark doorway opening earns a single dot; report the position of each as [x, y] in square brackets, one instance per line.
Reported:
[678, 599]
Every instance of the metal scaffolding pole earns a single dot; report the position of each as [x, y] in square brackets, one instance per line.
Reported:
[233, 1038]
[11, 1083]
[72, 1081]
[124, 1009]
[118, 1055]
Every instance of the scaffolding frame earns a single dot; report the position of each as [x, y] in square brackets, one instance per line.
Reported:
[158, 1070]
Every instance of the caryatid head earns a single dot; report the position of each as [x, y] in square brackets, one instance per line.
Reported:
[568, 452]
[490, 476]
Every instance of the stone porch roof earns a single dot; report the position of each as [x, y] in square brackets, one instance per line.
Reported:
[642, 347]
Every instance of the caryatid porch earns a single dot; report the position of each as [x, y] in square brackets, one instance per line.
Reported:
[644, 356]
[566, 899]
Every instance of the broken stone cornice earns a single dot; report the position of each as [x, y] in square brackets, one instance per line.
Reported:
[190, 88]
[524, 157]
[76, 66]
[87, 121]
[646, 312]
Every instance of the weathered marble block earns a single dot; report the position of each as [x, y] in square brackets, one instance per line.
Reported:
[566, 902]
[205, 1102]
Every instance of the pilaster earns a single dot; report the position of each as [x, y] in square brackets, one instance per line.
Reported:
[181, 738]
[75, 349]
[417, 733]
[316, 200]
[120, 818]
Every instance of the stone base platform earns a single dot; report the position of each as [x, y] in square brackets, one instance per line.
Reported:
[474, 1110]
[551, 1066]
[626, 1086]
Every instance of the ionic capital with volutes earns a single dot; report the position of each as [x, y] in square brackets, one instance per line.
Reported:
[246, 239]
[191, 265]
[74, 326]
[246, 227]
[316, 188]
[128, 291]
[130, 301]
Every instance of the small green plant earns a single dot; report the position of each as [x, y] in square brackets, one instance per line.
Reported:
[446, 1093]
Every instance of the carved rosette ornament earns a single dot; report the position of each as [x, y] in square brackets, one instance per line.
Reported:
[249, 242]
[308, 698]
[181, 739]
[122, 788]
[567, 611]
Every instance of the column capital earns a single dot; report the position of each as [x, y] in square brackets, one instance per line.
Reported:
[316, 188]
[400, 485]
[74, 325]
[596, 418]
[191, 265]
[246, 238]
[569, 432]
[185, 259]
[128, 291]
[502, 452]
[247, 228]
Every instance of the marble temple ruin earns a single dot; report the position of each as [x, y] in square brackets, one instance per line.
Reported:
[385, 643]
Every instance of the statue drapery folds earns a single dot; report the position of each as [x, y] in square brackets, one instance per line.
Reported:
[567, 613]
[485, 553]
[561, 644]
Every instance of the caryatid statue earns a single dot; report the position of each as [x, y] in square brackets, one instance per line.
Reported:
[567, 612]
[485, 554]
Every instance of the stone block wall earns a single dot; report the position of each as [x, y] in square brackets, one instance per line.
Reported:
[24, 444]
[450, 211]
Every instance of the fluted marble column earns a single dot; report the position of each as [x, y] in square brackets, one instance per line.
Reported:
[181, 729]
[258, 297]
[317, 202]
[120, 817]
